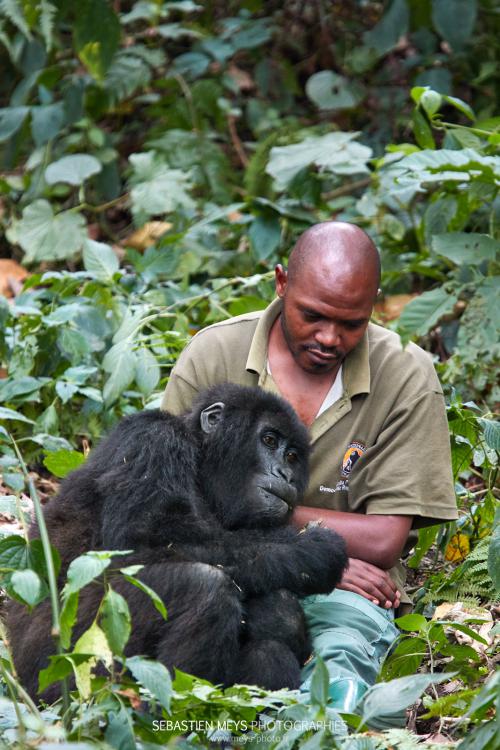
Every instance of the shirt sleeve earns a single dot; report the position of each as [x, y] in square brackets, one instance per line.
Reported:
[408, 469]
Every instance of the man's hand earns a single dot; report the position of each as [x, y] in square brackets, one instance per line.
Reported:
[371, 582]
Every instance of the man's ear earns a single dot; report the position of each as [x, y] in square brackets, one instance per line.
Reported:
[211, 416]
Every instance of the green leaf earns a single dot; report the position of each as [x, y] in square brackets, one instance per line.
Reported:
[14, 415]
[491, 433]
[157, 189]
[27, 585]
[265, 235]
[335, 152]
[82, 570]
[147, 590]
[14, 553]
[494, 554]
[386, 698]
[454, 20]
[47, 122]
[60, 666]
[120, 730]
[73, 169]
[425, 311]
[426, 537]
[120, 362]
[94, 642]
[60, 463]
[154, 677]
[328, 90]
[431, 102]
[392, 26]
[405, 659]
[44, 236]
[100, 260]
[96, 35]
[319, 683]
[464, 247]
[147, 371]
[411, 622]
[422, 130]
[67, 619]
[115, 620]
[462, 107]
[11, 120]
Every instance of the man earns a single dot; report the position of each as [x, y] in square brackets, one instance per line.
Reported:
[381, 459]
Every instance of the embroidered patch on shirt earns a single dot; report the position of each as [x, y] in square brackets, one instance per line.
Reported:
[353, 453]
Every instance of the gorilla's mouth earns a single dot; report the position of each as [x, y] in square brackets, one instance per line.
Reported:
[281, 497]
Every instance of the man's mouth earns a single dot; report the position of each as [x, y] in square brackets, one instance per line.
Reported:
[322, 356]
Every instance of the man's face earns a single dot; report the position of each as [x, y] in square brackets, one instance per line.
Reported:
[324, 316]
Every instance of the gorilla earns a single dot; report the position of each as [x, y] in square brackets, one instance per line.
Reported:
[204, 501]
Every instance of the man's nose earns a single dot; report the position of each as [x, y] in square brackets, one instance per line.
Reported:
[328, 336]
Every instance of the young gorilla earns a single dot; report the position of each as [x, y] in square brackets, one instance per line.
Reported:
[203, 500]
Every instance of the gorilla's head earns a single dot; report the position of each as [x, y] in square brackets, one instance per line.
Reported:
[254, 454]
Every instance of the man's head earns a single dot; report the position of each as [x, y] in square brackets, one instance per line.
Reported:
[328, 294]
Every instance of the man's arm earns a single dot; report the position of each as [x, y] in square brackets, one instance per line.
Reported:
[374, 545]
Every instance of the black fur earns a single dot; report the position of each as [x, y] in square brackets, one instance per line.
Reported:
[198, 510]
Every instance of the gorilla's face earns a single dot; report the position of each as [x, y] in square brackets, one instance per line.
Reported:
[255, 467]
[274, 478]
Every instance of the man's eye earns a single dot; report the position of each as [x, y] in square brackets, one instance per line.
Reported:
[291, 457]
[311, 316]
[270, 441]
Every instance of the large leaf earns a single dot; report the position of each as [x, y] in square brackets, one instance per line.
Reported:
[147, 370]
[120, 363]
[61, 462]
[494, 553]
[464, 247]
[73, 169]
[386, 698]
[45, 236]
[84, 569]
[115, 620]
[328, 90]
[157, 189]
[27, 585]
[454, 20]
[335, 152]
[423, 312]
[11, 120]
[47, 122]
[96, 35]
[14, 415]
[100, 260]
[265, 235]
[94, 642]
[391, 27]
[154, 677]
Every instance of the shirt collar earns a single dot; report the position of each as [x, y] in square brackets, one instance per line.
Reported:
[356, 366]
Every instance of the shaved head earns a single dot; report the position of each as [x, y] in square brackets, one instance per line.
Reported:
[338, 248]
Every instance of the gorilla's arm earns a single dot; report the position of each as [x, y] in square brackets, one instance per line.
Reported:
[260, 561]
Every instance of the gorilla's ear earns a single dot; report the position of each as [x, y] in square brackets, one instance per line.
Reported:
[211, 416]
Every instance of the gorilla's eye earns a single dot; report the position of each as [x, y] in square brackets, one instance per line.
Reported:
[292, 457]
[270, 440]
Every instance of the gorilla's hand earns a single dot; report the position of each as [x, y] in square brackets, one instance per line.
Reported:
[307, 562]
[321, 557]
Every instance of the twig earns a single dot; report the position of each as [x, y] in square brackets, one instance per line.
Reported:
[238, 146]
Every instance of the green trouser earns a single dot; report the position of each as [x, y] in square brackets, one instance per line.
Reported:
[352, 636]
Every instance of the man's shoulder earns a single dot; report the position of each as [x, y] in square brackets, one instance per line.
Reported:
[237, 330]
[396, 361]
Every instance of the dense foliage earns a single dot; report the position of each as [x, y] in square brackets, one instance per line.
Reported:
[156, 160]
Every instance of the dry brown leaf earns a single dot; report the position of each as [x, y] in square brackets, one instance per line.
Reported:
[12, 276]
[242, 79]
[391, 307]
[147, 234]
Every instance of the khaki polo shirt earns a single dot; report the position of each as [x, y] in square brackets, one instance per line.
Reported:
[382, 448]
